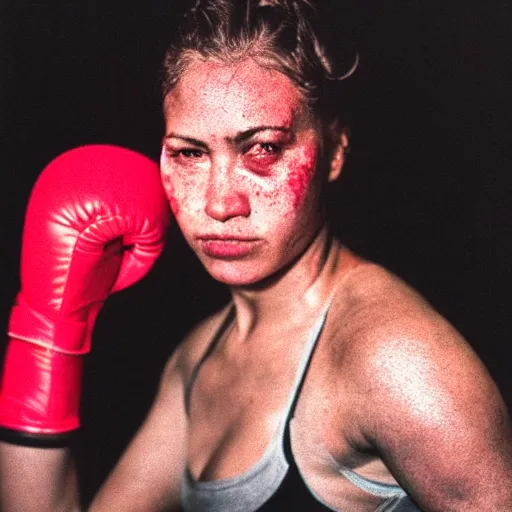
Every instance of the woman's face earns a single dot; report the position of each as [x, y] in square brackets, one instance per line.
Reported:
[239, 166]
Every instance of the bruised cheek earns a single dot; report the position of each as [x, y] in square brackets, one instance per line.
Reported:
[301, 173]
[288, 192]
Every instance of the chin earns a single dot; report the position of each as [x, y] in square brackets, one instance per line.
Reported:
[236, 273]
[246, 274]
[236, 277]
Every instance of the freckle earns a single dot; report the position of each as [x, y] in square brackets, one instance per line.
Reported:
[169, 189]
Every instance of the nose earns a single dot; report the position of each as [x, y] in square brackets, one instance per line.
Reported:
[225, 198]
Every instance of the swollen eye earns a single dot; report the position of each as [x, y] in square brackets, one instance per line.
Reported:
[270, 148]
[262, 150]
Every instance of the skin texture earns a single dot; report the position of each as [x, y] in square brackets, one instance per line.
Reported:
[392, 392]
[387, 389]
[251, 171]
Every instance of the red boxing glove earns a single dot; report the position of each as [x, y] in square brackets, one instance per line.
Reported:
[95, 224]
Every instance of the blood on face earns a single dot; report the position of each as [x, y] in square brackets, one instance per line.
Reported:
[238, 161]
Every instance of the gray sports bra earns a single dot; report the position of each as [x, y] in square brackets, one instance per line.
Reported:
[274, 483]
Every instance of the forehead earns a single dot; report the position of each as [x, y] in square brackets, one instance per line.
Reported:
[217, 97]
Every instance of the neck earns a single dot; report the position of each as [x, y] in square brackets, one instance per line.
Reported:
[303, 285]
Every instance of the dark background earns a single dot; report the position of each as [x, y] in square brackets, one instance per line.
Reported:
[425, 191]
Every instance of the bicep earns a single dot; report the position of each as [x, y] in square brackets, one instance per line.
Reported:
[443, 428]
[148, 475]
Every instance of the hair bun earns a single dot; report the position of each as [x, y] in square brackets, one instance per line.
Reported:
[324, 23]
[308, 41]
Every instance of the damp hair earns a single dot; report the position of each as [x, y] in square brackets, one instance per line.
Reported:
[288, 36]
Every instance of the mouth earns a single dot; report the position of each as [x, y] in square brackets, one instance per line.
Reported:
[228, 247]
[227, 238]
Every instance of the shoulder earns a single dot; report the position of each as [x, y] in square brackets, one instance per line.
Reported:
[193, 346]
[376, 312]
[396, 344]
[421, 396]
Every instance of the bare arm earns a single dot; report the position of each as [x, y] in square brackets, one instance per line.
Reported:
[147, 477]
[442, 427]
[37, 479]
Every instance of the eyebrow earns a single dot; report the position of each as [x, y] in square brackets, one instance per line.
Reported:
[190, 140]
[237, 139]
[247, 134]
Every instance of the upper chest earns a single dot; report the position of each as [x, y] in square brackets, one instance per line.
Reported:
[239, 401]
[239, 407]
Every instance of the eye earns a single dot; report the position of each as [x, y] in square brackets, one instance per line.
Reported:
[188, 153]
[262, 156]
[268, 151]
[184, 156]
[268, 148]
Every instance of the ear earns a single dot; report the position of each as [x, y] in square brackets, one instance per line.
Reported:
[339, 153]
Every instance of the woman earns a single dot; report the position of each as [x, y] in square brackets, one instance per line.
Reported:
[326, 383]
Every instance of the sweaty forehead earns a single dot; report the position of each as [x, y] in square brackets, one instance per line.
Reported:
[217, 97]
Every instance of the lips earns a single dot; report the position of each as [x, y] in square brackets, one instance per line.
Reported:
[227, 246]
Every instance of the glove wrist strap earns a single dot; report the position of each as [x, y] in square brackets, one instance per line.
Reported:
[64, 336]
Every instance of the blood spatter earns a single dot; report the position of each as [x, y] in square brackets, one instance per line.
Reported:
[300, 177]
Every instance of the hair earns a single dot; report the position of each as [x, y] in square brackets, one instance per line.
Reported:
[284, 35]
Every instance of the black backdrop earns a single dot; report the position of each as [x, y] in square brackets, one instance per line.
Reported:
[425, 191]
